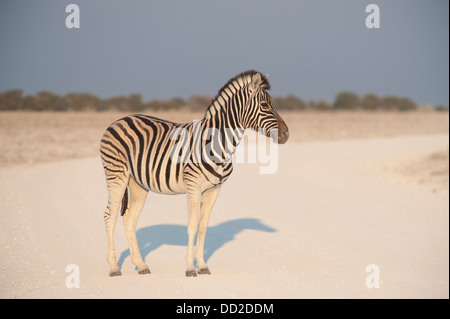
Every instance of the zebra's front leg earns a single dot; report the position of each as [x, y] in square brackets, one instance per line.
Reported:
[206, 204]
[193, 197]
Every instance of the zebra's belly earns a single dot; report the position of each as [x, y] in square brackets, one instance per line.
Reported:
[178, 186]
[163, 183]
[174, 189]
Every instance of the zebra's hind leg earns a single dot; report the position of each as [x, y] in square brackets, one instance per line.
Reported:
[130, 218]
[116, 190]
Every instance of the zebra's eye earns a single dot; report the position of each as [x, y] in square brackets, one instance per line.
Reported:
[264, 105]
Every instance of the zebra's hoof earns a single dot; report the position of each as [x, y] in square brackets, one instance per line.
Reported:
[115, 273]
[191, 273]
[144, 271]
[204, 271]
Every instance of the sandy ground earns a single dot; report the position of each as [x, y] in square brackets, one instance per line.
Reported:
[309, 231]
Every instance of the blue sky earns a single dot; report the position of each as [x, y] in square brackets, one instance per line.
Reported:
[162, 49]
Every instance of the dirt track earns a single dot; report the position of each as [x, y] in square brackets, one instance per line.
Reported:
[308, 231]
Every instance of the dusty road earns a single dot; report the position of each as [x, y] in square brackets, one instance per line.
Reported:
[308, 231]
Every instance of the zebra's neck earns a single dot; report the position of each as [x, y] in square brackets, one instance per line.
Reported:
[224, 116]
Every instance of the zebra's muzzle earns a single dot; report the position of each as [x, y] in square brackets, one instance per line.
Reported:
[283, 132]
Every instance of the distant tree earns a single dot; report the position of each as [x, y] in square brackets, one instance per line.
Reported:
[154, 104]
[82, 102]
[11, 100]
[2, 102]
[135, 103]
[390, 102]
[441, 108]
[291, 103]
[406, 104]
[400, 104]
[175, 103]
[30, 103]
[114, 103]
[320, 105]
[48, 101]
[347, 101]
[199, 102]
[131, 103]
[371, 102]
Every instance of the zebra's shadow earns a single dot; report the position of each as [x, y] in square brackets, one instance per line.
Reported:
[152, 237]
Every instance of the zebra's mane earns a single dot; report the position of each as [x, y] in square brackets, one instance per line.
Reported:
[244, 78]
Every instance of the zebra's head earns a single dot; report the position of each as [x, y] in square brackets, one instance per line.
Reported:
[260, 114]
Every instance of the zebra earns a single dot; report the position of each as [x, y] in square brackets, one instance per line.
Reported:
[141, 153]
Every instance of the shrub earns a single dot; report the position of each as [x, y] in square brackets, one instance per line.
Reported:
[347, 101]
[11, 100]
[371, 102]
[290, 102]
[320, 105]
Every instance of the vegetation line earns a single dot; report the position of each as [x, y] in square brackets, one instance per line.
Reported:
[14, 100]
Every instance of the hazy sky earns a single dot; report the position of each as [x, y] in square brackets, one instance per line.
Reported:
[161, 49]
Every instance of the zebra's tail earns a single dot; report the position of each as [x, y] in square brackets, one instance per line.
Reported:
[124, 207]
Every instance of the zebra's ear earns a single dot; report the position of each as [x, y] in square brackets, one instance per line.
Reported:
[256, 82]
